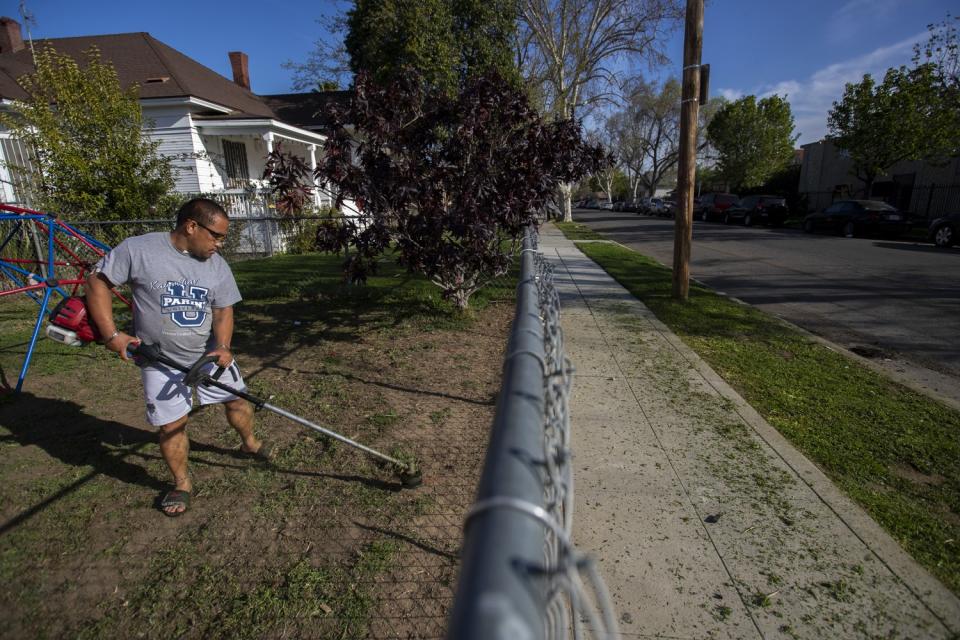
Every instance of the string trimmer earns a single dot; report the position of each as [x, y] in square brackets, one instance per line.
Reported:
[407, 473]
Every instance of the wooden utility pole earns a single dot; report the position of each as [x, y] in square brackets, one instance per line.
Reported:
[687, 164]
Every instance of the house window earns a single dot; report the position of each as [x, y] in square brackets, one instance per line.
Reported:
[235, 159]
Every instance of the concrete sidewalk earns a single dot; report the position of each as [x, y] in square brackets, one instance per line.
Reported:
[705, 521]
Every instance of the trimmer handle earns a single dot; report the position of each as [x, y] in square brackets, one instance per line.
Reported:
[146, 351]
[196, 374]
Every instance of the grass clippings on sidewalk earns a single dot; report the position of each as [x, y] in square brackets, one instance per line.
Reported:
[893, 450]
[321, 543]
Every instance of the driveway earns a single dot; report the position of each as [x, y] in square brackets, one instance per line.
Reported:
[896, 302]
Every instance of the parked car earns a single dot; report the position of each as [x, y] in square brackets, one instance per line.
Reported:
[655, 206]
[606, 204]
[712, 206]
[852, 217]
[943, 231]
[667, 207]
[750, 210]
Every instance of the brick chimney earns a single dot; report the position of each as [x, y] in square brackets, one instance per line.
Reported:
[241, 72]
[11, 40]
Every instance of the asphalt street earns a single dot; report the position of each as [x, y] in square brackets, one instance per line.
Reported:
[897, 302]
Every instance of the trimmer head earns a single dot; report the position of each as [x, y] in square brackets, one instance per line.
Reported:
[410, 478]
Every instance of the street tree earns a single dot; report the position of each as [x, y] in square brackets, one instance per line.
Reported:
[901, 118]
[448, 181]
[753, 139]
[605, 137]
[937, 62]
[626, 140]
[89, 158]
[656, 112]
[567, 49]
[942, 50]
[646, 132]
[912, 114]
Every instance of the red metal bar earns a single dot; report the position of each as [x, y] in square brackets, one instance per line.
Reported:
[22, 289]
[13, 209]
[25, 261]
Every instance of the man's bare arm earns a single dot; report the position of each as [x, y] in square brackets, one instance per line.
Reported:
[100, 309]
[223, 334]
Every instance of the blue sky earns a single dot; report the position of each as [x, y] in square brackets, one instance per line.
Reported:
[806, 49]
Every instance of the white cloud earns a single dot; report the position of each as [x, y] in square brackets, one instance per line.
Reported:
[856, 16]
[811, 99]
[731, 94]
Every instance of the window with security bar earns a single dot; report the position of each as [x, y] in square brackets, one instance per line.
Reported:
[235, 161]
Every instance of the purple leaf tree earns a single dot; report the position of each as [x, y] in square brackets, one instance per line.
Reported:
[449, 181]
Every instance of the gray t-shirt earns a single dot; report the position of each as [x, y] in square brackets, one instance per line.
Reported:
[174, 294]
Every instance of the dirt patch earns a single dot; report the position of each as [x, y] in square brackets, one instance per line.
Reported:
[914, 475]
[322, 543]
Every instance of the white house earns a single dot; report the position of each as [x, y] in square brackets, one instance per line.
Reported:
[217, 131]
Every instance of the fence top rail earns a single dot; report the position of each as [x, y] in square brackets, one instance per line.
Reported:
[503, 543]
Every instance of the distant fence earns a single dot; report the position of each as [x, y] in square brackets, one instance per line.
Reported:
[520, 575]
[247, 237]
[256, 229]
[922, 203]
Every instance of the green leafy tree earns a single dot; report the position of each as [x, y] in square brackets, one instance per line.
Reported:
[753, 139]
[84, 131]
[942, 51]
[937, 62]
[912, 114]
[881, 124]
[445, 41]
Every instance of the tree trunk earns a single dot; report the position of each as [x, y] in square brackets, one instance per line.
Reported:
[566, 190]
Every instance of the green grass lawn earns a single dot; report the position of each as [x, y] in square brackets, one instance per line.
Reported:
[578, 231]
[894, 451]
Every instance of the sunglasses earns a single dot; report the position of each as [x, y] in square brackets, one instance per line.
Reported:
[219, 237]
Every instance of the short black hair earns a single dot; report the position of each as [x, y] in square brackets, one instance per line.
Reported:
[202, 210]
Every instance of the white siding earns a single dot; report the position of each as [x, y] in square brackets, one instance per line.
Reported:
[209, 176]
[173, 127]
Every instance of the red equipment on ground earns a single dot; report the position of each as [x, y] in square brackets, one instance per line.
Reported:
[70, 324]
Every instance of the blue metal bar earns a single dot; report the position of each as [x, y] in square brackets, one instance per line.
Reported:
[13, 232]
[501, 594]
[10, 270]
[33, 339]
[100, 245]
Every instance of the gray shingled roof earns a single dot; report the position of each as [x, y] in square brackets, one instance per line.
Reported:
[305, 109]
[139, 58]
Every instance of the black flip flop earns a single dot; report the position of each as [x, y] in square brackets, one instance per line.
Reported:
[175, 498]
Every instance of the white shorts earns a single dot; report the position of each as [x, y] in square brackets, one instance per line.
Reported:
[168, 399]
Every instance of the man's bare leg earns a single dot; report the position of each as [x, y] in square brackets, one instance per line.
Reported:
[175, 448]
[240, 417]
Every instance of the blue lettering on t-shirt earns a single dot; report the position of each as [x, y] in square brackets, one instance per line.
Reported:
[185, 304]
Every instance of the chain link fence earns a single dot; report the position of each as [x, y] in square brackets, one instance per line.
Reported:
[247, 237]
[521, 576]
